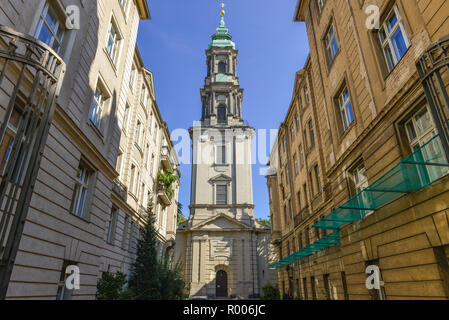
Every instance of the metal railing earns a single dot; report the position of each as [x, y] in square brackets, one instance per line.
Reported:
[31, 74]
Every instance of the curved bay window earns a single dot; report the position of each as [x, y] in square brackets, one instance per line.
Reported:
[221, 114]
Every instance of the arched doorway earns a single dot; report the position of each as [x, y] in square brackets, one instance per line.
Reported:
[221, 284]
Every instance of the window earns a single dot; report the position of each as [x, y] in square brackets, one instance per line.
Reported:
[345, 285]
[63, 293]
[304, 285]
[298, 195]
[80, 196]
[301, 156]
[300, 245]
[295, 161]
[297, 122]
[393, 38]
[123, 4]
[143, 94]
[49, 29]
[285, 215]
[327, 286]
[285, 143]
[320, 4]
[125, 231]
[222, 67]
[220, 155]
[331, 44]
[112, 44]
[359, 177]
[306, 94]
[126, 117]
[138, 132]
[420, 129]
[304, 187]
[311, 183]
[317, 177]
[110, 236]
[312, 282]
[221, 114]
[132, 178]
[307, 236]
[221, 194]
[311, 133]
[98, 106]
[344, 103]
[119, 162]
[132, 77]
[292, 133]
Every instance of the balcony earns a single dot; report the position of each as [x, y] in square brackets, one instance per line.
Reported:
[162, 194]
[120, 189]
[167, 159]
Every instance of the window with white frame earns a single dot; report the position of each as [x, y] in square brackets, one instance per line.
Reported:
[359, 178]
[79, 201]
[98, 106]
[320, 4]
[221, 194]
[113, 41]
[49, 29]
[345, 106]
[331, 43]
[420, 129]
[393, 38]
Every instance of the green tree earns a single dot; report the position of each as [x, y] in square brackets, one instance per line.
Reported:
[113, 287]
[171, 280]
[270, 292]
[145, 280]
[181, 216]
[265, 222]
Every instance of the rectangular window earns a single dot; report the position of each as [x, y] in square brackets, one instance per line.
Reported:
[345, 285]
[306, 94]
[125, 231]
[320, 4]
[285, 215]
[301, 156]
[112, 44]
[295, 161]
[297, 122]
[132, 77]
[420, 129]
[49, 29]
[138, 132]
[304, 285]
[81, 190]
[298, 195]
[221, 194]
[123, 4]
[312, 282]
[312, 187]
[126, 117]
[307, 236]
[311, 133]
[317, 177]
[359, 177]
[97, 108]
[300, 245]
[346, 113]
[63, 293]
[292, 133]
[393, 38]
[220, 155]
[331, 43]
[110, 237]
[306, 199]
[327, 287]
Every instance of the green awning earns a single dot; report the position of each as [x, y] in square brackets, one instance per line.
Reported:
[419, 170]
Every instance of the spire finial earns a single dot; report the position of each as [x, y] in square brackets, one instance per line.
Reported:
[222, 12]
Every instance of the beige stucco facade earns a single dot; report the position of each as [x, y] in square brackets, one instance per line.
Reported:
[85, 208]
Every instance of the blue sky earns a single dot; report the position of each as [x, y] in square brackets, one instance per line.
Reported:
[271, 49]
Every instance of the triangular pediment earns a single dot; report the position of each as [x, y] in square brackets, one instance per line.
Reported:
[221, 222]
[220, 178]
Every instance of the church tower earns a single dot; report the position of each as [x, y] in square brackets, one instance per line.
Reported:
[225, 251]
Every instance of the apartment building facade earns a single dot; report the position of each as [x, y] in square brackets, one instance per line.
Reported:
[84, 207]
[362, 177]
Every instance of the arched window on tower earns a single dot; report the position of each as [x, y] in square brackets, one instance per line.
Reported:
[221, 113]
[222, 67]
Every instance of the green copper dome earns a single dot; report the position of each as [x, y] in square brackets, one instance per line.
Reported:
[222, 38]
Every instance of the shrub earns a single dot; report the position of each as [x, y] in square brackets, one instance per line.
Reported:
[270, 292]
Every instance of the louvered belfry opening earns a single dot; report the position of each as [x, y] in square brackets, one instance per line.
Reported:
[31, 74]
